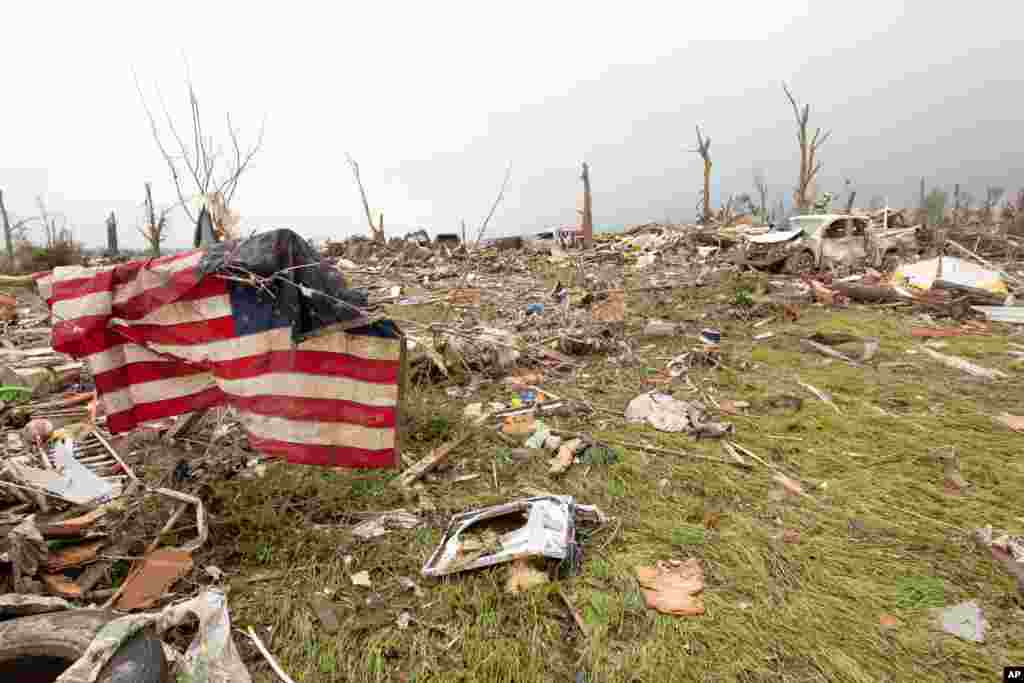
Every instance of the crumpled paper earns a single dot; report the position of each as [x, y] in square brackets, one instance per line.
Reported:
[211, 657]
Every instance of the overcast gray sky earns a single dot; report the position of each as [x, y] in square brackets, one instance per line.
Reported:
[434, 99]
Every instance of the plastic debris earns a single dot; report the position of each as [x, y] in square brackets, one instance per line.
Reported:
[965, 621]
[549, 531]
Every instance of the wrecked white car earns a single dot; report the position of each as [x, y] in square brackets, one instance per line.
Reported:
[817, 242]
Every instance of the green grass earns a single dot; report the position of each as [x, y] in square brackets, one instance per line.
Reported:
[917, 592]
[879, 534]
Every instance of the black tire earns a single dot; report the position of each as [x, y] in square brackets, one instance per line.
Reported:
[800, 262]
[34, 647]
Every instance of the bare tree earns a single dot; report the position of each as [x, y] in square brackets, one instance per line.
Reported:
[877, 202]
[956, 204]
[761, 185]
[992, 196]
[13, 232]
[155, 229]
[55, 225]
[809, 146]
[587, 217]
[935, 206]
[704, 150]
[200, 160]
[376, 231]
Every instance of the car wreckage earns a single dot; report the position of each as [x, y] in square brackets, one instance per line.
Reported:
[815, 242]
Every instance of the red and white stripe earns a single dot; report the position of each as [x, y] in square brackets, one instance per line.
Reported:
[161, 342]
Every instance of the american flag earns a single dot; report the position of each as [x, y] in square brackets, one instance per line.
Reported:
[163, 339]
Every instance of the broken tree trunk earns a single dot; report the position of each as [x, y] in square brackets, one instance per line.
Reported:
[112, 235]
[866, 294]
[9, 243]
[704, 150]
[587, 218]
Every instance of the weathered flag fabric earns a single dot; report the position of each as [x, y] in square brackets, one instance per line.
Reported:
[163, 337]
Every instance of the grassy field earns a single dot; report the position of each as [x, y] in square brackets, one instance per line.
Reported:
[836, 586]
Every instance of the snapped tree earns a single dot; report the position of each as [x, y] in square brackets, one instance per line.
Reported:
[376, 231]
[704, 150]
[809, 146]
[155, 229]
[587, 217]
[935, 206]
[13, 232]
[761, 185]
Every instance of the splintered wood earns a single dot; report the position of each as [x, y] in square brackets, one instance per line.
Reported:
[464, 296]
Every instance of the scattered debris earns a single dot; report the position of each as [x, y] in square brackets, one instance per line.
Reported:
[668, 414]
[384, 522]
[435, 458]
[888, 621]
[820, 395]
[673, 587]
[152, 577]
[965, 621]
[964, 365]
[362, 579]
[1014, 422]
[1007, 550]
[489, 536]
[566, 453]
[211, 657]
[326, 613]
[522, 576]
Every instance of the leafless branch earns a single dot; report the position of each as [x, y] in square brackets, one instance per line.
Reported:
[202, 159]
[494, 206]
[172, 167]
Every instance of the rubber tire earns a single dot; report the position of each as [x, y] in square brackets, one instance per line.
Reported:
[793, 262]
[66, 635]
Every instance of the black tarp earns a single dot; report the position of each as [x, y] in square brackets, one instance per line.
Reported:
[306, 290]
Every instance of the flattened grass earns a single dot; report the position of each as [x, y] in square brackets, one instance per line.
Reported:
[795, 586]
